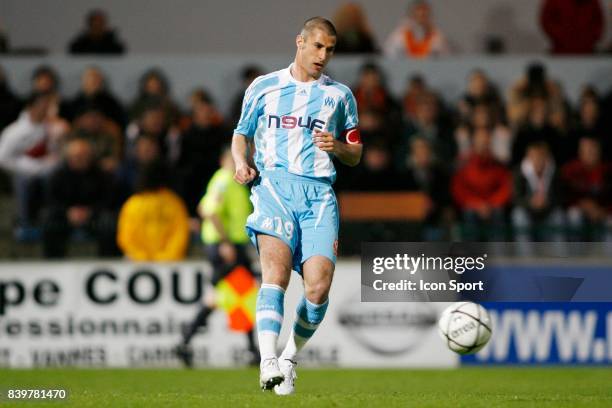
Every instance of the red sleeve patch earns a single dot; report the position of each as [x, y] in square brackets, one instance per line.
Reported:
[352, 136]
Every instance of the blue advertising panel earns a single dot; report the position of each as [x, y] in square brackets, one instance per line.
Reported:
[547, 333]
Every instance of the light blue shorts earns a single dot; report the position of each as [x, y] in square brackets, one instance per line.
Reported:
[301, 211]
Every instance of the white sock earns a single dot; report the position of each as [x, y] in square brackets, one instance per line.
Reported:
[294, 344]
[267, 345]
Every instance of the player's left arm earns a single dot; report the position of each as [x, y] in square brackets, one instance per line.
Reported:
[348, 152]
[347, 148]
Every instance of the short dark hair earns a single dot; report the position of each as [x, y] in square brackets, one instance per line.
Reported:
[370, 66]
[203, 96]
[93, 14]
[589, 92]
[46, 70]
[539, 144]
[154, 73]
[250, 72]
[320, 23]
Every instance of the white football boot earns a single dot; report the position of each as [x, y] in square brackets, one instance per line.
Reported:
[287, 387]
[269, 374]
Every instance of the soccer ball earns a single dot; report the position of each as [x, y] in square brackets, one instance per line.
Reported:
[465, 327]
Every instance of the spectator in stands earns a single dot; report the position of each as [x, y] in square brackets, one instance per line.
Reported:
[427, 176]
[374, 100]
[428, 122]
[417, 36]
[146, 150]
[154, 89]
[95, 91]
[10, 103]
[587, 181]
[589, 113]
[200, 149]
[480, 90]
[415, 89]
[44, 79]
[483, 115]
[29, 150]
[535, 83]
[97, 38]
[248, 75]
[155, 122]
[482, 188]
[354, 32]
[590, 121]
[537, 128]
[103, 135]
[371, 92]
[224, 209]
[537, 213]
[572, 26]
[153, 223]
[80, 197]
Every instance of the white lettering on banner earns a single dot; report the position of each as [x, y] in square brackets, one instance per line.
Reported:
[534, 332]
[119, 314]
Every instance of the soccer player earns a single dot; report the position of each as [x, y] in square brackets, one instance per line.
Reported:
[298, 120]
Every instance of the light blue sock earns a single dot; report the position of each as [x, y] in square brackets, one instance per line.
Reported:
[307, 320]
[269, 318]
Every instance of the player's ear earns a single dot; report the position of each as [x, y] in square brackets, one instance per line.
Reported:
[299, 41]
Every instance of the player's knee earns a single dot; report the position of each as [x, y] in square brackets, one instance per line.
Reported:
[276, 273]
[318, 292]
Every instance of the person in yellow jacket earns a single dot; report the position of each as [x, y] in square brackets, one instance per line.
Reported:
[224, 210]
[153, 223]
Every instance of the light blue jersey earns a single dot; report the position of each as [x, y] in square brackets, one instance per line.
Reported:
[281, 114]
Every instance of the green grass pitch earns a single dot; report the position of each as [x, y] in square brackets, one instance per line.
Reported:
[465, 387]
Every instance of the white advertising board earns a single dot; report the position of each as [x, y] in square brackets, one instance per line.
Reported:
[120, 314]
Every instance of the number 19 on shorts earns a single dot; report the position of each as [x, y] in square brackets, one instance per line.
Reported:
[277, 225]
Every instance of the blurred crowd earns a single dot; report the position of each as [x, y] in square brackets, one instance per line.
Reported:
[523, 164]
[73, 162]
[527, 166]
[571, 26]
[517, 164]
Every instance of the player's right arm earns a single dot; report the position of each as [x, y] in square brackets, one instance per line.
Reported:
[240, 149]
[243, 136]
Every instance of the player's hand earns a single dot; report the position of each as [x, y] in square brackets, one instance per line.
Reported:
[324, 141]
[228, 253]
[244, 174]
